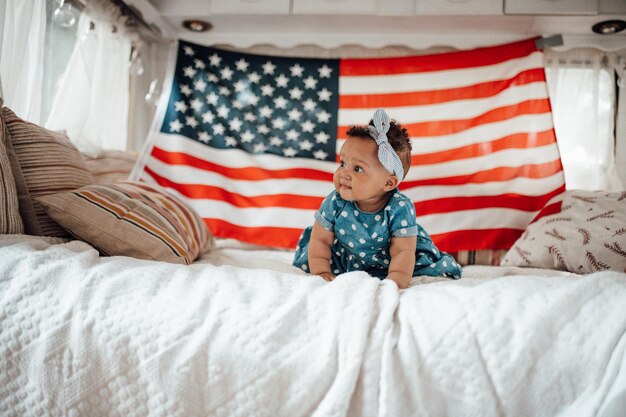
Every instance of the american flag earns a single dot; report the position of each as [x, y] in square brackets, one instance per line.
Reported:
[251, 141]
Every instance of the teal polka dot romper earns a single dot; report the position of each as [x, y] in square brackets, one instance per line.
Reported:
[362, 239]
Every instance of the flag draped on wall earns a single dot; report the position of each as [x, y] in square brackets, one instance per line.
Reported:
[251, 141]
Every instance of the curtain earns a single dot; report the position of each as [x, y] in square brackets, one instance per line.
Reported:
[581, 84]
[620, 131]
[91, 104]
[22, 56]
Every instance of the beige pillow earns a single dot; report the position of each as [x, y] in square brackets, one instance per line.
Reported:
[110, 166]
[588, 235]
[49, 163]
[10, 220]
[131, 219]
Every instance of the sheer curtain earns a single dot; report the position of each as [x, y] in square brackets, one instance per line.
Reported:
[22, 54]
[91, 104]
[582, 90]
[620, 131]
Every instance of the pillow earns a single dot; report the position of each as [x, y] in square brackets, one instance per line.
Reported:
[131, 219]
[49, 163]
[588, 235]
[110, 166]
[10, 220]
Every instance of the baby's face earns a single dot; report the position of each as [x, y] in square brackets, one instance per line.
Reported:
[360, 176]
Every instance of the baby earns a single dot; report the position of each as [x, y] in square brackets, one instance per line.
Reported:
[366, 224]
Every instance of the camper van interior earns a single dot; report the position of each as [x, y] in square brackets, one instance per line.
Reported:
[313, 208]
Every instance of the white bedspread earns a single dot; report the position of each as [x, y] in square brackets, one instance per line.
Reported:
[82, 335]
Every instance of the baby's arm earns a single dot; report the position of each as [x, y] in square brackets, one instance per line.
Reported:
[319, 251]
[402, 253]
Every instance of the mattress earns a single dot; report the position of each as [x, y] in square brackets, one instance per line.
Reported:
[242, 332]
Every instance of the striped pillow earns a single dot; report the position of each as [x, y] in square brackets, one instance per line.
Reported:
[49, 163]
[131, 219]
[10, 220]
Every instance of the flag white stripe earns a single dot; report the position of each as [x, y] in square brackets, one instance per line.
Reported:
[505, 158]
[451, 110]
[525, 124]
[520, 185]
[254, 217]
[237, 158]
[438, 80]
[480, 219]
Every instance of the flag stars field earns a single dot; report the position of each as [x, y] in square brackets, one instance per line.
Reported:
[275, 98]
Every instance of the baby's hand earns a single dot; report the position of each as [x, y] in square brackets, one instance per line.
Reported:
[327, 276]
[402, 280]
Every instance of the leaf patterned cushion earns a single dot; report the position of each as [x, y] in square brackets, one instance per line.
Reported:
[588, 235]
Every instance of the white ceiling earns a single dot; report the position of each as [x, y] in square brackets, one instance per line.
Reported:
[244, 23]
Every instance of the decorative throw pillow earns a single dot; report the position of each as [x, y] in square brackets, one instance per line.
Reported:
[588, 235]
[110, 166]
[49, 163]
[10, 220]
[131, 219]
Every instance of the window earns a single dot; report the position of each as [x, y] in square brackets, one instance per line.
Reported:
[582, 93]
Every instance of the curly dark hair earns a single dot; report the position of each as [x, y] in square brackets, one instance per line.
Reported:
[398, 138]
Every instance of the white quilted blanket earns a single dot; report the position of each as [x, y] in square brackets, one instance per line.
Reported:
[82, 335]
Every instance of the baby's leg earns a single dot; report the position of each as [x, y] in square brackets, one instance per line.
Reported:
[430, 261]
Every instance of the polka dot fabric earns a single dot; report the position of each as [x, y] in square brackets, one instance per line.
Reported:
[362, 239]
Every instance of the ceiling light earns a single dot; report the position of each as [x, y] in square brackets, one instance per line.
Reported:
[609, 27]
[197, 25]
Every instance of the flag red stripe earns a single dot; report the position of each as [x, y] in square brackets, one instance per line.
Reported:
[201, 191]
[447, 127]
[489, 175]
[476, 239]
[281, 237]
[510, 200]
[481, 90]
[437, 62]
[517, 140]
[248, 173]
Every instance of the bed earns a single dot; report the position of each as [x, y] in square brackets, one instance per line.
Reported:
[242, 332]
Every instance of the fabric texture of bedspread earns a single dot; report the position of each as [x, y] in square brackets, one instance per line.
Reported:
[83, 335]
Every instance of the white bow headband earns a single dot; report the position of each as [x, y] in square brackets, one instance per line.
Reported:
[386, 155]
